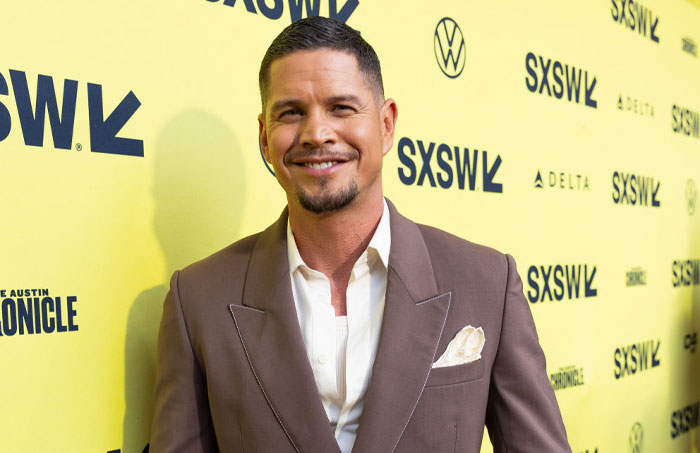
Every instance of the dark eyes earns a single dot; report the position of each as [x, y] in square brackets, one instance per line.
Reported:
[338, 108]
[290, 112]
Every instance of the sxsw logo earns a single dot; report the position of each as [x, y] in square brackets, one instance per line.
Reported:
[635, 17]
[634, 105]
[566, 83]
[685, 273]
[559, 282]
[448, 44]
[312, 7]
[635, 358]
[685, 121]
[689, 46]
[32, 115]
[635, 190]
[562, 180]
[447, 166]
[685, 419]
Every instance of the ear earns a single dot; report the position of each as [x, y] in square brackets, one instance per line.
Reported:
[263, 138]
[387, 116]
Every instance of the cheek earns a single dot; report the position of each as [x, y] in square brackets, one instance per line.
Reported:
[364, 137]
[279, 141]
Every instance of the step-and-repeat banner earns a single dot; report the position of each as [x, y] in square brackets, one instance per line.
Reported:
[564, 133]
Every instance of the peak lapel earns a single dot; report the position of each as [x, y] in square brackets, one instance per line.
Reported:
[268, 327]
[414, 317]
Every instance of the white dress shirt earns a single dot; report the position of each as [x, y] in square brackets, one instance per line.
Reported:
[341, 349]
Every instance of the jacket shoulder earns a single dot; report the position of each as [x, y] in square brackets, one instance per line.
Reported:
[452, 255]
[443, 241]
[226, 265]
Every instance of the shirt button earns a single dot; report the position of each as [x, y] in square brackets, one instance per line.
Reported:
[323, 359]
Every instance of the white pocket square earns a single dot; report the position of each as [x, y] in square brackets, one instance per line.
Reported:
[465, 347]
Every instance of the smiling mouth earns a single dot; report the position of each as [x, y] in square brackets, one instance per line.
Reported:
[320, 158]
[319, 165]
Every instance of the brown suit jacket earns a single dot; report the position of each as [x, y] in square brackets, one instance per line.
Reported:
[233, 373]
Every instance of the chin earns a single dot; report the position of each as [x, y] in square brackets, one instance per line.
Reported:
[328, 202]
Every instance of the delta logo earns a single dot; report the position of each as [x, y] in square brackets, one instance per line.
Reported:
[635, 105]
[32, 115]
[562, 180]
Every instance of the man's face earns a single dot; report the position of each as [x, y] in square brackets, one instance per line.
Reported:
[325, 131]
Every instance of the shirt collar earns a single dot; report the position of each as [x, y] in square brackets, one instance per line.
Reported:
[380, 242]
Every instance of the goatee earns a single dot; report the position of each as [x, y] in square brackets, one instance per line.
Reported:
[328, 201]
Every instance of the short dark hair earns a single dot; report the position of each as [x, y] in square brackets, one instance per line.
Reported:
[314, 33]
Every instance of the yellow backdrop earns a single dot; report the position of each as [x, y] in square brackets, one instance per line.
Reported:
[564, 133]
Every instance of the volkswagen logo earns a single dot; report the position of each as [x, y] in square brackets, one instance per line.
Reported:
[450, 50]
[691, 196]
[636, 439]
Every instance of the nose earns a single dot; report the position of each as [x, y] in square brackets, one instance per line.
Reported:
[317, 130]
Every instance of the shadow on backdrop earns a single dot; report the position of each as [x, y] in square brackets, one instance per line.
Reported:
[693, 327]
[198, 190]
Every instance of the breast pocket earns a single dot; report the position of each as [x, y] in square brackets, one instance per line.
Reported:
[455, 374]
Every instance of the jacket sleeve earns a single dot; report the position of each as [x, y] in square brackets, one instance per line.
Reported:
[182, 421]
[522, 413]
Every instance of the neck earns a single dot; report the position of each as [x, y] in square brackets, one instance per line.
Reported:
[331, 243]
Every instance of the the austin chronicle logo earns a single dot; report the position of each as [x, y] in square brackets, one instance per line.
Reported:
[450, 51]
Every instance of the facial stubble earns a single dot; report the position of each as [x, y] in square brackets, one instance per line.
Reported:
[326, 200]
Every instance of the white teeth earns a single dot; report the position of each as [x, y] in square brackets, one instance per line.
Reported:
[320, 165]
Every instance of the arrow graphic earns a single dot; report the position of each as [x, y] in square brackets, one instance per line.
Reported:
[590, 291]
[538, 180]
[654, 37]
[654, 201]
[345, 12]
[655, 361]
[589, 92]
[489, 185]
[103, 133]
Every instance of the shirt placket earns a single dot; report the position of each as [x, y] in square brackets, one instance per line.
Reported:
[323, 340]
[358, 342]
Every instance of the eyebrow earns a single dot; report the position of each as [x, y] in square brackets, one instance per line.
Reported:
[283, 103]
[279, 105]
[350, 98]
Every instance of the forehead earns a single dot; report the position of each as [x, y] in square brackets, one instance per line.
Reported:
[314, 71]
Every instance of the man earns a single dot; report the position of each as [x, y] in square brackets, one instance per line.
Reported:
[329, 331]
